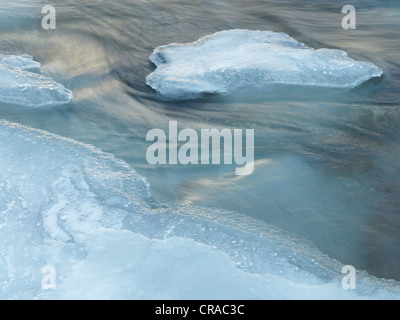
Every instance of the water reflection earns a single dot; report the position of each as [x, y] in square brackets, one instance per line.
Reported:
[327, 159]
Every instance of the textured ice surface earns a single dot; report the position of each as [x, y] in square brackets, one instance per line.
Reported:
[69, 205]
[226, 61]
[20, 86]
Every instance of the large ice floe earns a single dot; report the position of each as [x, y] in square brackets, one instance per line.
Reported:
[19, 85]
[230, 60]
[81, 222]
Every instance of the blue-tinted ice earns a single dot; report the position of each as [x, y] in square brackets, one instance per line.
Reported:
[72, 207]
[228, 61]
[20, 86]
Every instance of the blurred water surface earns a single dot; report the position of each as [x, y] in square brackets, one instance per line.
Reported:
[327, 161]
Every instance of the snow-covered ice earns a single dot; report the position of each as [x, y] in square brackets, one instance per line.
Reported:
[87, 214]
[231, 60]
[20, 86]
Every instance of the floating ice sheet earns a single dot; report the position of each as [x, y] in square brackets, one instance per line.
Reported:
[20, 86]
[227, 61]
